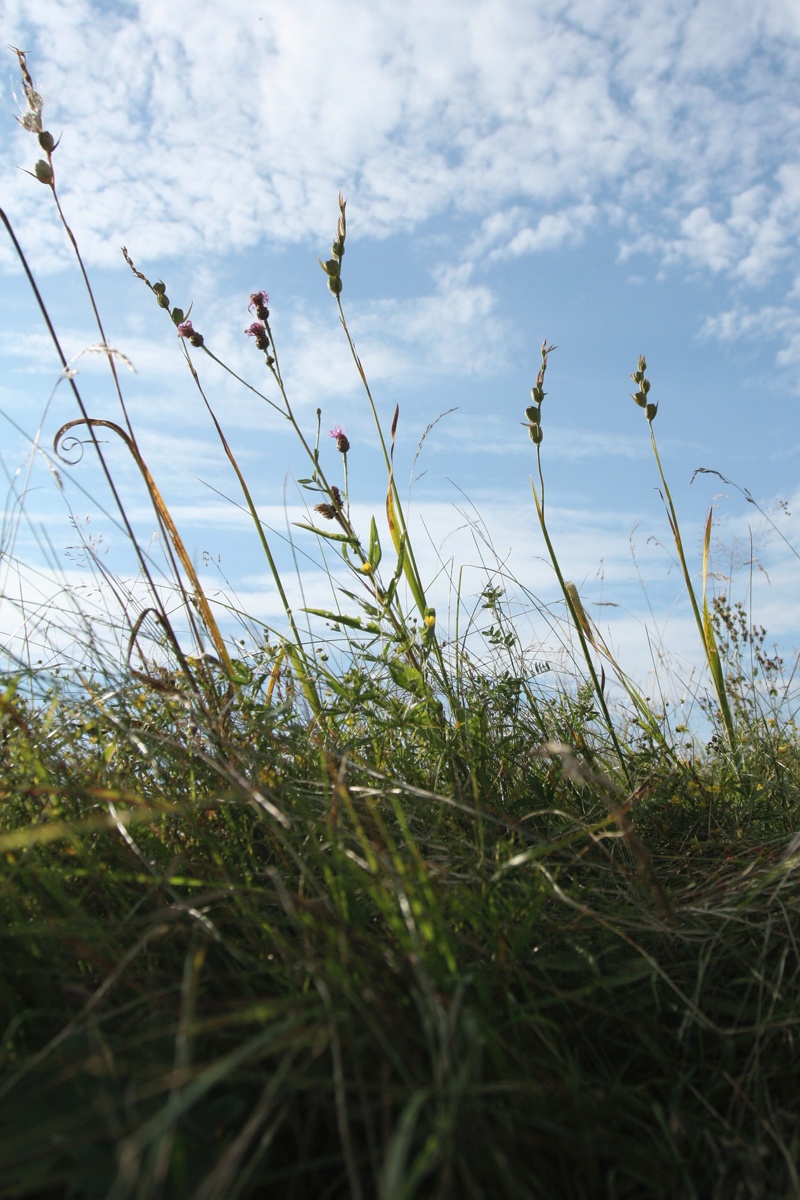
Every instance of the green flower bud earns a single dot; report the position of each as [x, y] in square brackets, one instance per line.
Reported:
[536, 435]
[534, 414]
[44, 172]
[335, 286]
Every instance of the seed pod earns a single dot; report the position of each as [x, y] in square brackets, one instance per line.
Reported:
[44, 172]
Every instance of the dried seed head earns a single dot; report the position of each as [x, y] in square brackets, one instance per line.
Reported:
[327, 511]
[640, 396]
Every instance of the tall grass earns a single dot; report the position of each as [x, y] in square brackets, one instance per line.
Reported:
[391, 921]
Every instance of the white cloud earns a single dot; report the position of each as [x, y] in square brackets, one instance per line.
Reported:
[208, 135]
[774, 323]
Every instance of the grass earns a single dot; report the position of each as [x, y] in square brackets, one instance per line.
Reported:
[390, 922]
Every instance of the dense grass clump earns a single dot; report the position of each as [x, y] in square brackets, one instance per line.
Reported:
[363, 915]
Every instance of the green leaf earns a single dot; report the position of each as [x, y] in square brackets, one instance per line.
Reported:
[323, 533]
[375, 554]
[341, 619]
[407, 677]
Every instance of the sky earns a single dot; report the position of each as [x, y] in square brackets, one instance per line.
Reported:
[614, 178]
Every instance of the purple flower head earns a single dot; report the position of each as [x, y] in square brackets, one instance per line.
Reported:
[258, 330]
[258, 300]
[342, 442]
[187, 330]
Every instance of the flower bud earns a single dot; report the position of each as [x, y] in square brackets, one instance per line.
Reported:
[650, 411]
[44, 172]
[47, 141]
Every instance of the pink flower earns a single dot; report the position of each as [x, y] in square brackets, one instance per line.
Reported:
[258, 330]
[258, 300]
[342, 443]
[187, 330]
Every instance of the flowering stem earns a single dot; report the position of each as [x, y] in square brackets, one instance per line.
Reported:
[578, 622]
[703, 619]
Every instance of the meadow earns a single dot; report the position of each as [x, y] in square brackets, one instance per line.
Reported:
[360, 912]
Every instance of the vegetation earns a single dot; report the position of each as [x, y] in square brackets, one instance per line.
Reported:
[367, 917]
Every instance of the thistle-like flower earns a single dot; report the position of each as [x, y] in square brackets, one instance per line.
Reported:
[258, 330]
[258, 305]
[187, 330]
[342, 443]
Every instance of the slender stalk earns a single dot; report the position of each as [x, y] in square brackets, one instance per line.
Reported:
[702, 619]
[579, 628]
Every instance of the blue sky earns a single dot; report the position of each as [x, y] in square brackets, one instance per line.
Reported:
[618, 178]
